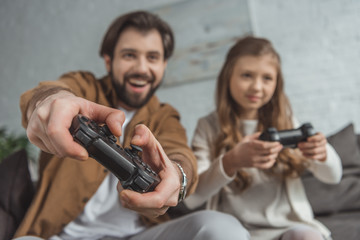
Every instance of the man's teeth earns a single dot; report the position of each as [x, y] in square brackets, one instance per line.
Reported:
[138, 82]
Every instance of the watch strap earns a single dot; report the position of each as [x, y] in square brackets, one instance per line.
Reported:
[182, 192]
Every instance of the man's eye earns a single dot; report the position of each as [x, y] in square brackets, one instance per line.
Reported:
[153, 57]
[129, 55]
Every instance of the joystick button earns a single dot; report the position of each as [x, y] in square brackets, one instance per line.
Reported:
[148, 169]
[93, 125]
[135, 149]
[85, 119]
[82, 137]
[142, 183]
[105, 131]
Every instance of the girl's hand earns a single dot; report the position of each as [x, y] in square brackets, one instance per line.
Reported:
[251, 152]
[314, 147]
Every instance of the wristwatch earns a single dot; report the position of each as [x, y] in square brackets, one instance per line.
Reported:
[182, 192]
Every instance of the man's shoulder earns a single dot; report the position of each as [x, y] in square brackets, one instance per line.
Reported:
[79, 75]
[87, 79]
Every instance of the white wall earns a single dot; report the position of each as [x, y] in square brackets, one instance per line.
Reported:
[319, 42]
[42, 39]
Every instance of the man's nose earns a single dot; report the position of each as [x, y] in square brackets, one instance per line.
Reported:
[142, 65]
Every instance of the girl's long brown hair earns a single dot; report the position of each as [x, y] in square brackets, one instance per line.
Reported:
[276, 113]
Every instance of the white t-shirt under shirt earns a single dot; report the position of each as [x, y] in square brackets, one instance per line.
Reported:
[103, 214]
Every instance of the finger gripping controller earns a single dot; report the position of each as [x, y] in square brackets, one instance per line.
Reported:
[288, 138]
[124, 163]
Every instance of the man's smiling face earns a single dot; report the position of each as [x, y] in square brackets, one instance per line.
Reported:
[137, 67]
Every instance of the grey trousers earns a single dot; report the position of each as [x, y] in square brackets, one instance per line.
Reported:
[200, 225]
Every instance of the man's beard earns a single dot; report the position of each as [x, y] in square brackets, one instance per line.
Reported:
[133, 100]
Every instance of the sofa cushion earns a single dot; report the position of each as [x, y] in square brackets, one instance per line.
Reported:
[329, 199]
[345, 142]
[16, 192]
[343, 225]
[345, 196]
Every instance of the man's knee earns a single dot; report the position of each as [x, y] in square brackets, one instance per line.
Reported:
[217, 225]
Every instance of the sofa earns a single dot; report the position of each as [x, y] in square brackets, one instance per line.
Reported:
[337, 206]
[16, 192]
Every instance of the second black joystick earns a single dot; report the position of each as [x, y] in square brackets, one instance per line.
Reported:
[288, 138]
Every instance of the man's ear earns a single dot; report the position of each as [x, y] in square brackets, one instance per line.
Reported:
[107, 60]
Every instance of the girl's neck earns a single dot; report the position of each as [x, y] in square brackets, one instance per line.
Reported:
[249, 115]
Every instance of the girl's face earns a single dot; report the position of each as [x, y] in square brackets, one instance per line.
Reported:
[253, 83]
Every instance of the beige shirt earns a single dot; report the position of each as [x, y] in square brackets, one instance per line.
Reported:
[66, 184]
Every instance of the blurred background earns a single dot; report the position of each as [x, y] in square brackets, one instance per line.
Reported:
[318, 40]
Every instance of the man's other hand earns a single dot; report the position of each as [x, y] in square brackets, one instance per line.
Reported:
[51, 119]
[165, 195]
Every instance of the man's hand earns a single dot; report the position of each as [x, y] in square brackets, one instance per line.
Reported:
[49, 123]
[314, 147]
[165, 195]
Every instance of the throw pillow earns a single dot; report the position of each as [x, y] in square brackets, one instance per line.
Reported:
[329, 199]
[345, 196]
[16, 190]
[346, 145]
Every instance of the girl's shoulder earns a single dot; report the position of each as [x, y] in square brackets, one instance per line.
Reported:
[210, 119]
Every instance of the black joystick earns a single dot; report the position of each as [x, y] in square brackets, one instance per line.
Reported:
[124, 163]
[288, 138]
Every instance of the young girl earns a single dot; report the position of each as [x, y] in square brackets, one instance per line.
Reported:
[257, 181]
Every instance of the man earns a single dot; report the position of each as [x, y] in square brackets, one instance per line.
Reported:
[78, 199]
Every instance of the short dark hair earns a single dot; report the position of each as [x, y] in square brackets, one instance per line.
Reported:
[143, 21]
